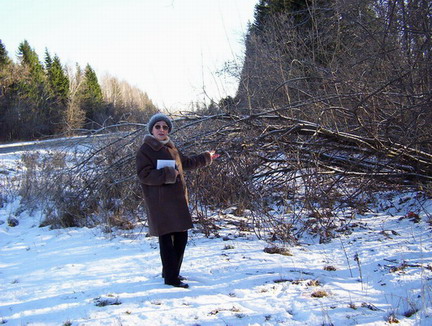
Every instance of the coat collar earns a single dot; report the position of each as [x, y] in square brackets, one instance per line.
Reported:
[155, 144]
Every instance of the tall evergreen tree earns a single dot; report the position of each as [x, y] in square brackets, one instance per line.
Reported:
[265, 9]
[32, 94]
[29, 58]
[59, 92]
[4, 78]
[91, 98]
[92, 84]
[58, 80]
[48, 60]
[4, 59]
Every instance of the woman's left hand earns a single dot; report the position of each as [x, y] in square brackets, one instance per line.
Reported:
[213, 155]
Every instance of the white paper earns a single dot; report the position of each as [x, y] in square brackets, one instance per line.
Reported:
[163, 163]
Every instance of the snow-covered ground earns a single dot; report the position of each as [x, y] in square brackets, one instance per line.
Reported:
[379, 271]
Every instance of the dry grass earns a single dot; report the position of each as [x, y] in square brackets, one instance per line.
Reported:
[278, 250]
[319, 294]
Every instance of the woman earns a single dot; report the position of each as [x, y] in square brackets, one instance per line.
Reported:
[160, 168]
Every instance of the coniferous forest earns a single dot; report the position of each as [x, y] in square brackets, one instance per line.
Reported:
[40, 98]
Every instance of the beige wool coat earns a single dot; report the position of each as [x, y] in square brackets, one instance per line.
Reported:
[165, 195]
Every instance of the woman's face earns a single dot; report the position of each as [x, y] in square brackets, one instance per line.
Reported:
[160, 130]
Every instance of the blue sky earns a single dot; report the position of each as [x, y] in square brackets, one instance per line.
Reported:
[170, 49]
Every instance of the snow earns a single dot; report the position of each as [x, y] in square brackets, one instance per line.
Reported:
[82, 276]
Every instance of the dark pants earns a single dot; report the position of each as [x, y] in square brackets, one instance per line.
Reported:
[172, 247]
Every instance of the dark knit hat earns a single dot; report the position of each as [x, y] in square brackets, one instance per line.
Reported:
[156, 118]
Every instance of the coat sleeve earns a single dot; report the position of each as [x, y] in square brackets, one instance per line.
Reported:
[196, 161]
[149, 175]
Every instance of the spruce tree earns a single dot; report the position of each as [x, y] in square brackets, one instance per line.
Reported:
[28, 57]
[266, 8]
[4, 78]
[48, 60]
[58, 81]
[91, 97]
[32, 94]
[92, 84]
[59, 92]
[4, 59]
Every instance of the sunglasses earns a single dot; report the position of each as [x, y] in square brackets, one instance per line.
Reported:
[163, 127]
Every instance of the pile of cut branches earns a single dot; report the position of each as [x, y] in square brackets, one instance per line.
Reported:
[302, 172]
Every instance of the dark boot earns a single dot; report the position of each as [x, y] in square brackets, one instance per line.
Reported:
[178, 284]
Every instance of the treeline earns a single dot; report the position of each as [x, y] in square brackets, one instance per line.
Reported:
[41, 99]
[361, 66]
